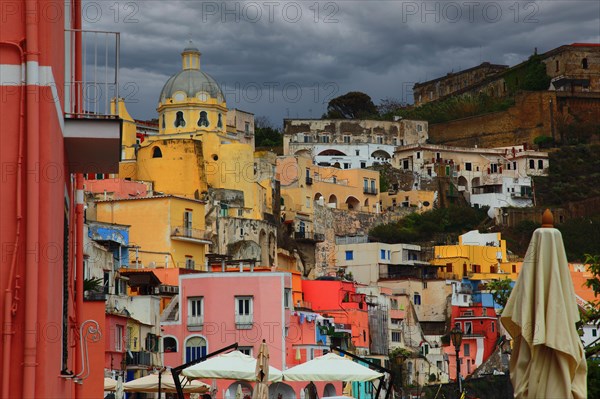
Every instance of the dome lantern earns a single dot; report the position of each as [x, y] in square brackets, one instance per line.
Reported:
[190, 57]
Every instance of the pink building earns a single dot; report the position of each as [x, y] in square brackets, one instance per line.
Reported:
[49, 138]
[214, 310]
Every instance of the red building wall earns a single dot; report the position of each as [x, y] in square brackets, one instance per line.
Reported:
[36, 198]
[339, 300]
[481, 341]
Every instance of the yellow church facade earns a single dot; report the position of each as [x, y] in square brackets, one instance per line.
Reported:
[198, 155]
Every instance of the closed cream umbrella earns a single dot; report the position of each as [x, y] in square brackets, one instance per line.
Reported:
[261, 390]
[548, 360]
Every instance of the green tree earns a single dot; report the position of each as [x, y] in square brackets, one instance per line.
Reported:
[265, 134]
[420, 227]
[389, 106]
[500, 290]
[591, 314]
[593, 378]
[352, 105]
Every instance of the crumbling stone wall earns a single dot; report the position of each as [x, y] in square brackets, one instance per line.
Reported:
[337, 222]
[534, 114]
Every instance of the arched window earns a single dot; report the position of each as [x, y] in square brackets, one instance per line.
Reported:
[169, 344]
[220, 121]
[156, 152]
[584, 63]
[203, 121]
[179, 121]
[195, 348]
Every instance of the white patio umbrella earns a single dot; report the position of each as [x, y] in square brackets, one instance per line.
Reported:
[149, 383]
[548, 360]
[110, 384]
[230, 366]
[330, 367]
[261, 390]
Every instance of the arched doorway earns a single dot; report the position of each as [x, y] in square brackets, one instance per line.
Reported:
[353, 203]
[264, 248]
[231, 391]
[195, 348]
[331, 152]
[272, 249]
[462, 181]
[280, 390]
[474, 184]
[329, 390]
[310, 391]
[332, 201]
[381, 155]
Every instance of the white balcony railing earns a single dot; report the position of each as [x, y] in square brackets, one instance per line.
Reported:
[244, 321]
[195, 321]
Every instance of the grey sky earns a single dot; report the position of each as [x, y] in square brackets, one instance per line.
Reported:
[280, 58]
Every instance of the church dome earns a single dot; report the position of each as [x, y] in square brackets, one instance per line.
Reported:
[191, 80]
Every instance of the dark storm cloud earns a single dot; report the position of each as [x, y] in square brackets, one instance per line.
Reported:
[288, 58]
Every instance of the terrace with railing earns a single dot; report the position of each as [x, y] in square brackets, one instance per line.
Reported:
[92, 80]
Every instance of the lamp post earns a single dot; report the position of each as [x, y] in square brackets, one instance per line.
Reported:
[399, 358]
[456, 335]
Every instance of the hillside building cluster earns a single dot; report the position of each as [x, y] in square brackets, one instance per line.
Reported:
[176, 238]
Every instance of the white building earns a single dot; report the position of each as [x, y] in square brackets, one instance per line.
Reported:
[494, 177]
[350, 144]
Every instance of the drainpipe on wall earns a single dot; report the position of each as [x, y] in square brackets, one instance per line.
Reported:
[32, 237]
[79, 317]
[10, 306]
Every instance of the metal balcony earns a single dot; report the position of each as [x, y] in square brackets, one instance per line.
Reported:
[92, 128]
[138, 358]
[370, 190]
[309, 181]
[189, 234]
[307, 236]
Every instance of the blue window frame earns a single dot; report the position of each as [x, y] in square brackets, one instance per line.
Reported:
[349, 255]
[383, 254]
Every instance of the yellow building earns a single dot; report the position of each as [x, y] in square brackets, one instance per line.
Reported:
[194, 151]
[166, 231]
[419, 199]
[303, 184]
[477, 256]
[205, 152]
